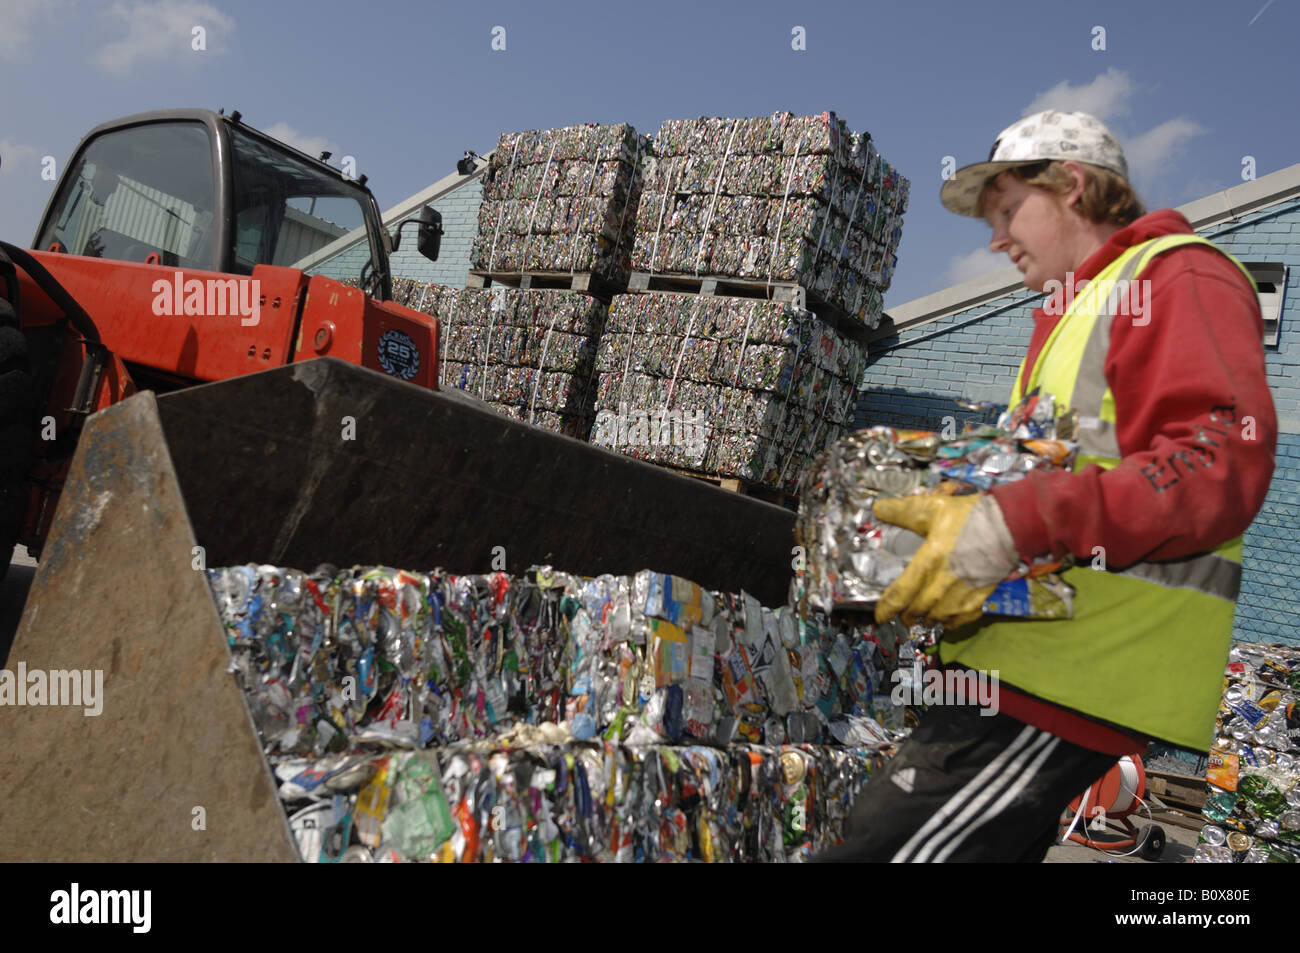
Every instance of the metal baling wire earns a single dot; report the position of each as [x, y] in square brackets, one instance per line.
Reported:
[830, 205]
[497, 299]
[830, 390]
[541, 364]
[492, 255]
[703, 433]
[631, 346]
[711, 429]
[848, 229]
[840, 412]
[669, 180]
[722, 171]
[446, 344]
[695, 312]
[541, 186]
[573, 245]
[589, 395]
[785, 401]
[755, 307]
[631, 180]
[744, 342]
[794, 445]
[420, 307]
[779, 424]
[776, 235]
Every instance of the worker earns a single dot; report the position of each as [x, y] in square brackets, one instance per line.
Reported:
[1165, 383]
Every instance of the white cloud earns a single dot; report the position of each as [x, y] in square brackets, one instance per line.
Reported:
[1105, 97]
[1109, 96]
[16, 18]
[974, 264]
[312, 145]
[15, 156]
[1149, 152]
[163, 29]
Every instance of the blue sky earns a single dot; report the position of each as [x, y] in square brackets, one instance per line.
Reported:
[1189, 88]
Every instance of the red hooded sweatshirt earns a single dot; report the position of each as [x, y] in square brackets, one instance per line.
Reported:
[1196, 429]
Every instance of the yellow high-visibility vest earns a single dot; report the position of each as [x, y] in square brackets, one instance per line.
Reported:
[1147, 645]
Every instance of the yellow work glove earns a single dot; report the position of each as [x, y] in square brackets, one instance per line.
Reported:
[968, 550]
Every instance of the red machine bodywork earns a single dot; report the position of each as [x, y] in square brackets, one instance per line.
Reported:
[186, 327]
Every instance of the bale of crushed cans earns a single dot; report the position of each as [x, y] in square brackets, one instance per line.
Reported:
[729, 387]
[620, 717]
[567, 802]
[530, 354]
[1252, 807]
[851, 558]
[780, 197]
[561, 200]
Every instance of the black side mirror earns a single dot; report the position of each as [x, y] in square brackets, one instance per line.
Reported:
[429, 236]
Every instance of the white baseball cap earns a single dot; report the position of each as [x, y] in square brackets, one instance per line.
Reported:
[1042, 136]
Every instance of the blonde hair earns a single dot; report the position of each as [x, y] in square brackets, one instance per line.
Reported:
[1107, 199]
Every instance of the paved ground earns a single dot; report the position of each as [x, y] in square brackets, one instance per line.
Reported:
[1180, 845]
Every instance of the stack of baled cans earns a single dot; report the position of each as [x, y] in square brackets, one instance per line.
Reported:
[796, 221]
[528, 354]
[774, 198]
[729, 387]
[561, 200]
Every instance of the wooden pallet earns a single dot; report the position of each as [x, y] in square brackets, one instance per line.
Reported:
[788, 292]
[1178, 818]
[785, 291]
[1185, 791]
[743, 487]
[583, 281]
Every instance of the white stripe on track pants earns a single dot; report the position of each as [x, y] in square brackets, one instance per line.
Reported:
[969, 787]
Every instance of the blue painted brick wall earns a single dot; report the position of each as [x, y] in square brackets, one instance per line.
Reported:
[346, 264]
[912, 381]
[459, 223]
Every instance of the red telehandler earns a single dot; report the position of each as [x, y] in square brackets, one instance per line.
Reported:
[183, 247]
[186, 381]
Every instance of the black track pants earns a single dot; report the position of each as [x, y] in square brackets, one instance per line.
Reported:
[969, 787]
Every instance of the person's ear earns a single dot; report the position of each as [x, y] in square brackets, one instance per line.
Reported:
[1080, 183]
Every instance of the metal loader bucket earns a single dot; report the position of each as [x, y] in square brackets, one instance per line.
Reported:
[310, 463]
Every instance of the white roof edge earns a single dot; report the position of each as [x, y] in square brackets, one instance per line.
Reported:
[1245, 198]
[957, 298]
[1217, 207]
[444, 186]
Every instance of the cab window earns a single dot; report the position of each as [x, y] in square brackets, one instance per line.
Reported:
[139, 191]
